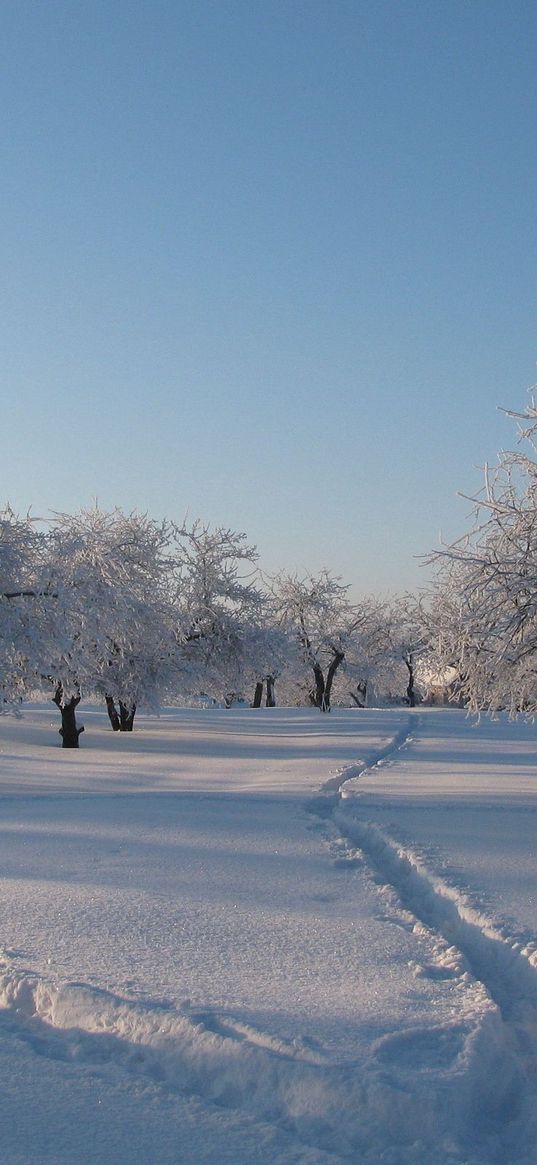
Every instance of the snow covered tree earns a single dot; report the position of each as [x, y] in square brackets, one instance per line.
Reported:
[110, 574]
[320, 617]
[266, 649]
[409, 639]
[219, 607]
[369, 661]
[445, 613]
[24, 625]
[490, 576]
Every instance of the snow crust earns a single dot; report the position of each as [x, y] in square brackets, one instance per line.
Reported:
[269, 936]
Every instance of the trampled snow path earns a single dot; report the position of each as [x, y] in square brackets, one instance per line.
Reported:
[424, 1045]
[507, 970]
[466, 943]
[400, 740]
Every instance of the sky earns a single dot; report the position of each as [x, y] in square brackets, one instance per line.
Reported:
[270, 263]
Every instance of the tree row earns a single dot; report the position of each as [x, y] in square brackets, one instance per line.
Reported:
[136, 612]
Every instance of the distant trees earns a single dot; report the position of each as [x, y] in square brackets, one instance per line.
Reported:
[132, 611]
[324, 625]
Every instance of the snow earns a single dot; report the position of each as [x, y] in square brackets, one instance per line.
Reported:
[268, 936]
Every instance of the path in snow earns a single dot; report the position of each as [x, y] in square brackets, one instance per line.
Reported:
[397, 793]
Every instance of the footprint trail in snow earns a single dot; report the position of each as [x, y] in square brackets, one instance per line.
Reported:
[496, 972]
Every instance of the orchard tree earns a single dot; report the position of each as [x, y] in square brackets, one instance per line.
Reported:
[369, 658]
[491, 577]
[110, 574]
[409, 639]
[25, 626]
[266, 650]
[219, 606]
[269, 659]
[30, 619]
[322, 621]
[447, 616]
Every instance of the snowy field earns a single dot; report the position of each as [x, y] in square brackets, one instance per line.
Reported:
[269, 938]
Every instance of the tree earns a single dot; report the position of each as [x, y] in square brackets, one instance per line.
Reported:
[369, 660]
[219, 606]
[110, 575]
[25, 630]
[317, 612]
[409, 640]
[490, 576]
[266, 650]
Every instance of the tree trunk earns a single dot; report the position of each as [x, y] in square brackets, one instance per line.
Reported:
[112, 712]
[411, 691]
[258, 694]
[271, 700]
[359, 699]
[337, 660]
[126, 716]
[318, 697]
[69, 731]
[123, 720]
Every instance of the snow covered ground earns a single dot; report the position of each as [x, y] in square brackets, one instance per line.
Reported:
[269, 937]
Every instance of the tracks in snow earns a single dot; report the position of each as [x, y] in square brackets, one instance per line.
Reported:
[506, 967]
[401, 740]
[463, 938]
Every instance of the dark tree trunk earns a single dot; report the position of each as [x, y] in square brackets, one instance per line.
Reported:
[318, 698]
[271, 700]
[126, 716]
[410, 691]
[112, 712]
[337, 660]
[360, 694]
[123, 720]
[69, 731]
[258, 695]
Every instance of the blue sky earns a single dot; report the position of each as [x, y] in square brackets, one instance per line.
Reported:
[268, 263]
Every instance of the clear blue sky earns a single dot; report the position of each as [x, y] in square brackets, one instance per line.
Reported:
[271, 262]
